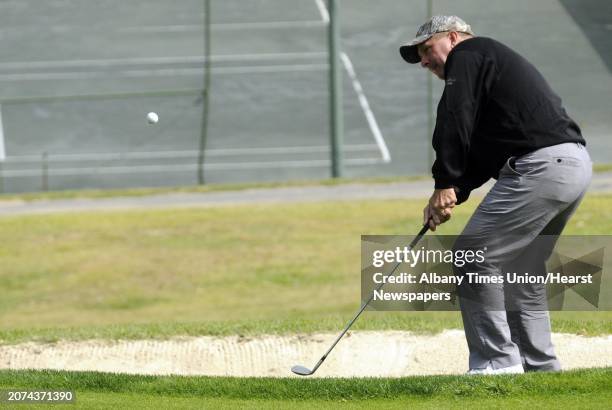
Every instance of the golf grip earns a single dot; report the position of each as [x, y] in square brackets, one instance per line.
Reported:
[416, 239]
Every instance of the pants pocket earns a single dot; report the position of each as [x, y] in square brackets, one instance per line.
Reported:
[509, 167]
[563, 179]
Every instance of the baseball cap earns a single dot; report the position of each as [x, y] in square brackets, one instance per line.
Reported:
[436, 24]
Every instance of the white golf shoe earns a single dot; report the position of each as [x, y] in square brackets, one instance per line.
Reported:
[516, 369]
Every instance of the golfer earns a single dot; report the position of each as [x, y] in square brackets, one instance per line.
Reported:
[499, 118]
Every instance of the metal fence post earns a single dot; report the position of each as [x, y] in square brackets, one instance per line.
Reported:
[205, 93]
[45, 171]
[335, 79]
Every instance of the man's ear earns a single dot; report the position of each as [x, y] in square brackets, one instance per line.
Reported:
[454, 38]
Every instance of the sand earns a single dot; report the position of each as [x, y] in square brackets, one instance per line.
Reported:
[359, 354]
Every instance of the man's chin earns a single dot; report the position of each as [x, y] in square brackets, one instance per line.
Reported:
[440, 76]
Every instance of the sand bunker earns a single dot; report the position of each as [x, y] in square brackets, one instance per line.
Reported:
[389, 353]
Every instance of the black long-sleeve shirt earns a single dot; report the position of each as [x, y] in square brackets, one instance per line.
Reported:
[495, 105]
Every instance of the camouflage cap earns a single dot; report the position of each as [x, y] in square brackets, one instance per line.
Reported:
[436, 24]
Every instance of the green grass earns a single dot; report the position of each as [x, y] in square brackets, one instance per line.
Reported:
[254, 269]
[602, 168]
[576, 389]
[421, 322]
[583, 323]
[134, 401]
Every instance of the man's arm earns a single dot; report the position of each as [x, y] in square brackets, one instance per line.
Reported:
[469, 78]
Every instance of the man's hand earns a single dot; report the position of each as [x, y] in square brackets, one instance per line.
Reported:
[440, 207]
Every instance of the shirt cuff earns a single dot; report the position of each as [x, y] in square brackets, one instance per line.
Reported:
[443, 184]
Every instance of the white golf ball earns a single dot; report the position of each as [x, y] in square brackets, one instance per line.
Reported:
[152, 118]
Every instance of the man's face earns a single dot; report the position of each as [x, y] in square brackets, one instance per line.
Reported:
[434, 52]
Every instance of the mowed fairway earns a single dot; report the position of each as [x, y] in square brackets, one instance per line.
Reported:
[279, 268]
[248, 270]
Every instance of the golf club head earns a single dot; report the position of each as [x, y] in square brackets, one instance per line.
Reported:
[301, 370]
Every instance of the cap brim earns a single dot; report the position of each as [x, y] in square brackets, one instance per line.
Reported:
[410, 52]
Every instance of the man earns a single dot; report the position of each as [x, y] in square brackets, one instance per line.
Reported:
[498, 118]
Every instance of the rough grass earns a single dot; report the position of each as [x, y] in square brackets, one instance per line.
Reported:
[583, 323]
[254, 269]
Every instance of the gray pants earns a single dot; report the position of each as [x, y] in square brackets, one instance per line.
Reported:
[535, 194]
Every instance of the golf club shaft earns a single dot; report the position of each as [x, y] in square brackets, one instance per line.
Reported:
[416, 239]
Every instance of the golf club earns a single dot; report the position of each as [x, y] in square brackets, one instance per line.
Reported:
[304, 371]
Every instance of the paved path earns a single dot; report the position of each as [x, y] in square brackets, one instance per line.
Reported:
[602, 182]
